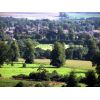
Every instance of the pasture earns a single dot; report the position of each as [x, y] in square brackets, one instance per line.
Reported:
[80, 67]
[50, 46]
[7, 71]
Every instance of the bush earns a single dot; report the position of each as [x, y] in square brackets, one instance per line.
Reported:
[90, 78]
[19, 84]
[39, 85]
[0, 75]
[12, 64]
[64, 78]
[98, 81]
[54, 76]
[24, 65]
[38, 76]
[20, 76]
[42, 85]
[72, 80]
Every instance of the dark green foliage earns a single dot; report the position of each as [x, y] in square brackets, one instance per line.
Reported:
[98, 69]
[13, 51]
[42, 85]
[47, 31]
[58, 55]
[54, 76]
[41, 68]
[29, 51]
[0, 75]
[72, 80]
[3, 52]
[64, 78]
[92, 48]
[38, 76]
[40, 53]
[12, 64]
[24, 65]
[90, 78]
[20, 76]
[19, 84]
[96, 61]
[76, 52]
[98, 81]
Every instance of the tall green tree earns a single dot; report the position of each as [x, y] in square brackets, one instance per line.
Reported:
[92, 48]
[13, 52]
[96, 61]
[3, 52]
[29, 51]
[58, 55]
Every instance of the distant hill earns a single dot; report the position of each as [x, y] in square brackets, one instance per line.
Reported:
[83, 14]
[48, 15]
[30, 15]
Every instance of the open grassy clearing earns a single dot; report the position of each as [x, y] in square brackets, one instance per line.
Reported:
[49, 46]
[9, 72]
[80, 67]
[78, 64]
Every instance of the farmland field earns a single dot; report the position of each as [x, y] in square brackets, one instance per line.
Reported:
[71, 65]
[7, 71]
[49, 46]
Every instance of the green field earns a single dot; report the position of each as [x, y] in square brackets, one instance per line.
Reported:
[7, 71]
[71, 65]
[49, 46]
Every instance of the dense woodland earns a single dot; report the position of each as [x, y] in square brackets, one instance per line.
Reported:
[84, 32]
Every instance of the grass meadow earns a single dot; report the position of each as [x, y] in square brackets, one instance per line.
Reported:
[7, 71]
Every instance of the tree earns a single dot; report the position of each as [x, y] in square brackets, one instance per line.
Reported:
[96, 61]
[3, 52]
[72, 80]
[29, 51]
[92, 48]
[58, 55]
[13, 52]
[90, 78]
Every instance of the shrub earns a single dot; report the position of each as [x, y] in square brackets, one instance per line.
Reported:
[20, 76]
[98, 81]
[38, 76]
[72, 80]
[54, 76]
[39, 85]
[12, 64]
[90, 78]
[0, 75]
[42, 85]
[64, 78]
[24, 65]
[19, 84]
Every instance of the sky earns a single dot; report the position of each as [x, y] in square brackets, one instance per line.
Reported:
[31, 15]
[49, 5]
[46, 8]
